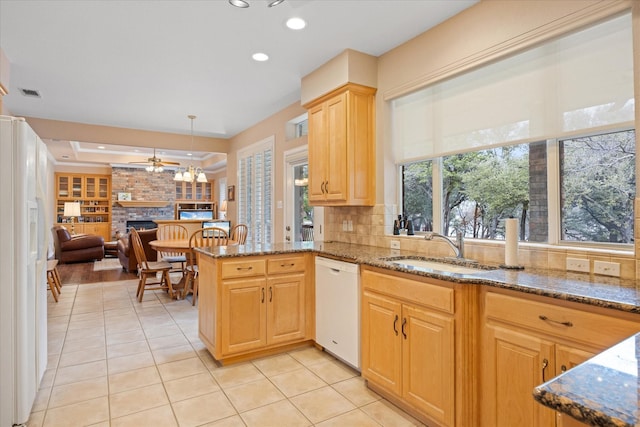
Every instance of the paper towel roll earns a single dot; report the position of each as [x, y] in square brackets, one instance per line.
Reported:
[511, 242]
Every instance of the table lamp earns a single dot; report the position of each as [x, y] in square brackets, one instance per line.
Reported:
[72, 210]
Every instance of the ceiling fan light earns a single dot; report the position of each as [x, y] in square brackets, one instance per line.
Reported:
[149, 168]
[159, 169]
[201, 177]
[239, 3]
[178, 176]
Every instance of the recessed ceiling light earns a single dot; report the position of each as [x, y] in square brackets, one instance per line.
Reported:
[239, 3]
[189, 154]
[260, 57]
[100, 147]
[296, 23]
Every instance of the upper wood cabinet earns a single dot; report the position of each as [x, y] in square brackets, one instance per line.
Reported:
[342, 147]
[194, 190]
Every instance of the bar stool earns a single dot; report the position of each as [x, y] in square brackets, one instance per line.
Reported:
[53, 278]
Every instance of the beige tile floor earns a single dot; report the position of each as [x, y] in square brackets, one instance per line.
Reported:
[116, 362]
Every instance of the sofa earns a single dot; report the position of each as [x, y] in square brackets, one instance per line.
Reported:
[126, 254]
[77, 247]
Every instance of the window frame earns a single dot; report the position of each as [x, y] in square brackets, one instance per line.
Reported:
[553, 191]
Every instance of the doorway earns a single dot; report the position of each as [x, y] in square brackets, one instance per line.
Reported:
[301, 219]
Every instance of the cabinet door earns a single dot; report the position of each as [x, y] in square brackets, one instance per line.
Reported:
[104, 191]
[381, 341]
[99, 229]
[286, 308]
[91, 187]
[243, 315]
[428, 363]
[336, 168]
[567, 358]
[516, 363]
[317, 152]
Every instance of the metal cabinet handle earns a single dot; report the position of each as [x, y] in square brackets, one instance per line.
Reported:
[395, 322]
[287, 265]
[244, 268]
[262, 299]
[326, 187]
[545, 363]
[563, 368]
[404, 324]
[270, 293]
[546, 319]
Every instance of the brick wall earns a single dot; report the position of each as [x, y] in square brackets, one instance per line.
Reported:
[142, 185]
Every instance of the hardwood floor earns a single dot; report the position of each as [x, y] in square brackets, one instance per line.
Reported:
[82, 272]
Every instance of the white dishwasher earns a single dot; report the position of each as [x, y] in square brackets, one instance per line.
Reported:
[338, 309]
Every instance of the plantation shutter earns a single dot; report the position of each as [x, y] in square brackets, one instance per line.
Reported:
[255, 195]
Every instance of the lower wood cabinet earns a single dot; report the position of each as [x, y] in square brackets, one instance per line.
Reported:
[407, 346]
[249, 305]
[527, 342]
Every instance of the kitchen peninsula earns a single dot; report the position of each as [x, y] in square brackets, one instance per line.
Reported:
[538, 317]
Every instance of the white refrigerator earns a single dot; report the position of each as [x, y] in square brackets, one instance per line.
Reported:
[24, 236]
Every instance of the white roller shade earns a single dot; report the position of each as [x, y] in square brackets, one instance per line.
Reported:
[581, 81]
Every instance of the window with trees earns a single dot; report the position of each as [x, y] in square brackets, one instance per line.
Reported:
[545, 135]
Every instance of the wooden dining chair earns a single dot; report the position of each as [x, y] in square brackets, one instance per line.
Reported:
[204, 237]
[149, 269]
[173, 232]
[239, 233]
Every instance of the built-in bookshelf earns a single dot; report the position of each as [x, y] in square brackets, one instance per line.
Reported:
[93, 193]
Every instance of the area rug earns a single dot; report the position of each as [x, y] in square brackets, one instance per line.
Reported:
[107, 264]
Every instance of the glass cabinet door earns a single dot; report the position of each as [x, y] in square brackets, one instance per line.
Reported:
[103, 188]
[63, 187]
[90, 188]
[76, 187]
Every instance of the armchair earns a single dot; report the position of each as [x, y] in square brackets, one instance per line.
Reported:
[126, 254]
[76, 248]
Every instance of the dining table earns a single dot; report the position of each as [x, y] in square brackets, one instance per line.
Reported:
[181, 246]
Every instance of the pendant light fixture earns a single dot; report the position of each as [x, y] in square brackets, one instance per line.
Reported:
[191, 173]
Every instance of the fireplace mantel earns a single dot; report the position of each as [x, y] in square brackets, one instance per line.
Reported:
[143, 203]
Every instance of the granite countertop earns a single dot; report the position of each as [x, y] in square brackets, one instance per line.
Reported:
[603, 391]
[602, 291]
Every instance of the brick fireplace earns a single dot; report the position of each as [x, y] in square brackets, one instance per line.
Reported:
[143, 186]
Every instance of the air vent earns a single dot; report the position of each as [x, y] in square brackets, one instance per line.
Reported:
[30, 92]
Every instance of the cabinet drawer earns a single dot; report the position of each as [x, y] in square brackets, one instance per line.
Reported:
[286, 265]
[590, 328]
[425, 294]
[243, 268]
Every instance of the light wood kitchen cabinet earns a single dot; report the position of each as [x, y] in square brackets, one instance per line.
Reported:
[93, 192]
[408, 343]
[342, 147]
[526, 342]
[258, 304]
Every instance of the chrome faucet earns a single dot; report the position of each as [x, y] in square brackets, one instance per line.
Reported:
[458, 247]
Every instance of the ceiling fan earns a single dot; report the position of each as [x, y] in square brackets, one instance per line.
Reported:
[155, 164]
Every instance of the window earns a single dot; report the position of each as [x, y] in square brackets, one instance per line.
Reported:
[500, 141]
[255, 191]
[598, 187]
[480, 189]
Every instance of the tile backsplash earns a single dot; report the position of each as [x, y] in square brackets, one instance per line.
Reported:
[373, 226]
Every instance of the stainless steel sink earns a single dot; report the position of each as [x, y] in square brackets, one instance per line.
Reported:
[438, 266]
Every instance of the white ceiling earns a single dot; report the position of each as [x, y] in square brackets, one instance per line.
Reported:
[147, 64]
